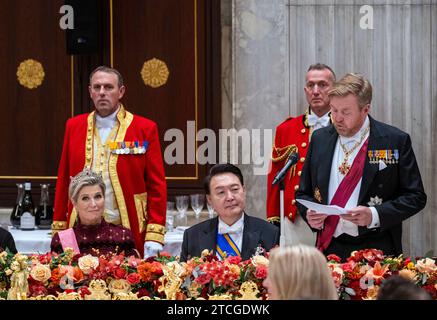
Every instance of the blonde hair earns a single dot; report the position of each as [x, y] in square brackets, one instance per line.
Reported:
[84, 178]
[353, 83]
[301, 272]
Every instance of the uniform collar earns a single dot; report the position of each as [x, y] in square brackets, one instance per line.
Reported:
[107, 122]
[308, 112]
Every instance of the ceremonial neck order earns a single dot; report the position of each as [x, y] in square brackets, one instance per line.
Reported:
[345, 166]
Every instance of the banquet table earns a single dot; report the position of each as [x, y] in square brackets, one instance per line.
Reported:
[38, 240]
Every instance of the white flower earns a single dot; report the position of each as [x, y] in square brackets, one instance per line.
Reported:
[426, 265]
[374, 201]
[88, 263]
[41, 272]
[260, 261]
[119, 286]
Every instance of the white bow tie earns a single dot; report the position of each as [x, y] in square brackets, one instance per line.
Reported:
[314, 119]
[236, 228]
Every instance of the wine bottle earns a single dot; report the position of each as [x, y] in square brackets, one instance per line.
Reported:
[27, 215]
[15, 215]
[44, 213]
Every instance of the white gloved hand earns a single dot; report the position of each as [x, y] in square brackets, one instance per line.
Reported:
[151, 248]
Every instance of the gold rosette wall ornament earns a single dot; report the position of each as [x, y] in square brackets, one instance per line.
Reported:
[154, 73]
[30, 73]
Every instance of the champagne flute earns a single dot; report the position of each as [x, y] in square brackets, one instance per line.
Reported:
[182, 207]
[197, 201]
[211, 211]
[170, 216]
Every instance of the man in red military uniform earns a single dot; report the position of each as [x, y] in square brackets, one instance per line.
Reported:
[125, 149]
[293, 135]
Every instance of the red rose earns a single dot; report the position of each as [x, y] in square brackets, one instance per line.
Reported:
[261, 272]
[165, 254]
[133, 278]
[119, 273]
[37, 290]
[333, 257]
[348, 267]
[45, 258]
[234, 259]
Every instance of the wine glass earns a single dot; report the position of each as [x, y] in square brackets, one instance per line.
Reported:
[210, 210]
[182, 207]
[197, 201]
[170, 216]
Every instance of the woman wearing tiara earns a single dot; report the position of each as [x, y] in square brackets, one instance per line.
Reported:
[91, 234]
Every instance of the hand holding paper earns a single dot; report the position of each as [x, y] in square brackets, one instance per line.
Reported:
[321, 208]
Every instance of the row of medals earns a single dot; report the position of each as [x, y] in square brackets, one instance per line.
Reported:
[388, 156]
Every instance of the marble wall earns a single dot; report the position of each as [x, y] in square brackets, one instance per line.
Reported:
[255, 81]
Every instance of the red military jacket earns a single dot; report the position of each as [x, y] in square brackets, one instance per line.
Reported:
[138, 180]
[292, 135]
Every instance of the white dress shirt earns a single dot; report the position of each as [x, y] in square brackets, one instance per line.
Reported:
[336, 177]
[235, 231]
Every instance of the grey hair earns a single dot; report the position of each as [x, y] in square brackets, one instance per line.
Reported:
[108, 70]
[85, 178]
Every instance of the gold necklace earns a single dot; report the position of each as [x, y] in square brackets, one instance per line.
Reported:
[345, 166]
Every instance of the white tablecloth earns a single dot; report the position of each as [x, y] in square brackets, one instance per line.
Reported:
[34, 241]
[38, 241]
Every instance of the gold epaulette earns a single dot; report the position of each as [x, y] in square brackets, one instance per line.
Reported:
[155, 232]
[283, 152]
[274, 219]
[58, 226]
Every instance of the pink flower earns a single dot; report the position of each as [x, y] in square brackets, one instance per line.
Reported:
[164, 254]
[133, 262]
[234, 259]
[203, 279]
[348, 266]
[261, 272]
[373, 255]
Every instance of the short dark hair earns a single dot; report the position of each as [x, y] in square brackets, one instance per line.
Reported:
[220, 168]
[321, 66]
[400, 288]
[108, 70]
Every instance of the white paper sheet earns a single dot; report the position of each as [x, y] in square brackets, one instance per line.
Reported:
[321, 208]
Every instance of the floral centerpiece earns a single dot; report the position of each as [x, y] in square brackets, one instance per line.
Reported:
[365, 270]
[209, 278]
[69, 276]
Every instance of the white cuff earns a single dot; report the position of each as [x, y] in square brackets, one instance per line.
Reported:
[151, 248]
[375, 219]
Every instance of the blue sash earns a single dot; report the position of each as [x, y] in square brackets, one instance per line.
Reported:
[226, 246]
